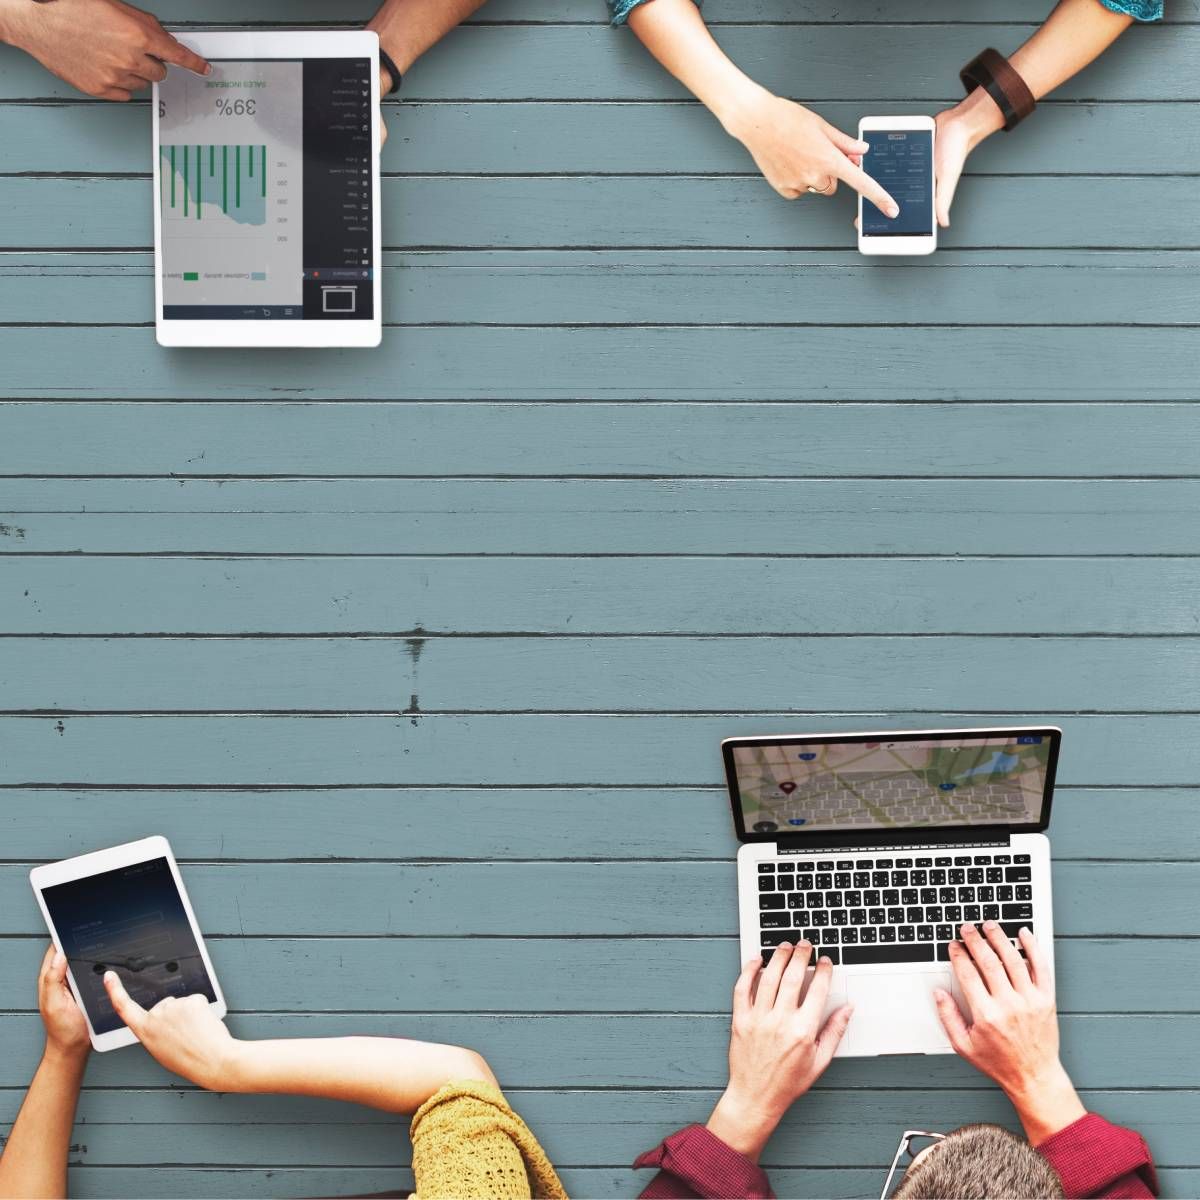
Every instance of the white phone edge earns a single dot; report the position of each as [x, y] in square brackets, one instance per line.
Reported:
[924, 243]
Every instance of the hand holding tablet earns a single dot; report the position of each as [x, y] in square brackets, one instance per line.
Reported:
[125, 911]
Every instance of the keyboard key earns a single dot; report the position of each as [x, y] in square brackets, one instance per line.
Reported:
[972, 912]
[839, 916]
[774, 920]
[787, 868]
[914, 915]
[820, 918]
[1021, 858]
[814, 900]
[766, 868]
[834, 900]
[908, 896]
[804, 882]
[929, 895]
[923, 862]
[899, 879]
[943, 862]
[853, 899]
[895, 916]
[956, 876]
[975, 875]
[937, 878]
[775, 901]
[858, 916]
[903, 862]
[830, 937]
[845, 864]
[906, 933]
[934, 914]
[947, 895]
[876, 916]
[810, 936]
[1017, 912]
[925, 933]
[804, 866]
[775, 939]
[862, 879]
[884, 863]
[879, 879]
[825, 865]
[766, 883]
[1024, 891]
[891, 897]
[954, 913]
[991, 912]
[832, 953]
[868, 935]
[1017, 874]
[994, 875]
[864, 864]
[849, 938]
[982, 858]
[962, 860]
[899, 953]
[796, 900]
[919, 878]
[887, 933]
[965, 895]
[872, 898]
[943, 933]
[823, 881]
[1002, 860]
[843, 879]
[1004, 892]
[787, 883]
[985, 894]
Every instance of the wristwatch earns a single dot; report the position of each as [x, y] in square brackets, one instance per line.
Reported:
[992, 71]
[385, 61]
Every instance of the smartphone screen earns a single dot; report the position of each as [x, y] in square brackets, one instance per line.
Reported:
[902, 161]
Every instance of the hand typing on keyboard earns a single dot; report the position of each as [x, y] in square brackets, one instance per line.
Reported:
[1012, 1035]
[779, 1047]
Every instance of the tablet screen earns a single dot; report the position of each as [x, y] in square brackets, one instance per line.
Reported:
[130, 920]
[266, 189]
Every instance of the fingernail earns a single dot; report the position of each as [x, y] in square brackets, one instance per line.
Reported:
[1026, 929]
[893, 211]
[804, 944]
[989, 924]
[784, 946]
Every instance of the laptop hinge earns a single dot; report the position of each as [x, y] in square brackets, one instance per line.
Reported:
[963, 840]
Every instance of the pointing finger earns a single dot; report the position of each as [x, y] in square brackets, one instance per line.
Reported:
[170, 50]
[127, 1008]
[861, 182]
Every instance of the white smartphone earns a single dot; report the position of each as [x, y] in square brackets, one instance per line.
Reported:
[901, 160]
[125, 909]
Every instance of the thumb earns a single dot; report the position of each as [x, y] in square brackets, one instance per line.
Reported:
[832, 1033]
[952, 1021]
[127, 1008]
[58, 968]
[947, 183]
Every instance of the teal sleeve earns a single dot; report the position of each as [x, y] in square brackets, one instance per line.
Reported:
[620, 9]
[1139, 10]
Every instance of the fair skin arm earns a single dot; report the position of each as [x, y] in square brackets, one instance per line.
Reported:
[393, 1074]
[779, 1047]
[34, 1162]
[1075, 33]
[1012, 1031]
[104, 48]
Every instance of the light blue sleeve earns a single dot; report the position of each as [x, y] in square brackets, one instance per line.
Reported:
[1139, 10]
[620, 9]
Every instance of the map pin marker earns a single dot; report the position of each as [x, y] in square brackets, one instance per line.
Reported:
[787, 788]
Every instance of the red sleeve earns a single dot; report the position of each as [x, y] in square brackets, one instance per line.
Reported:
[1093, 1157]
[695, 1163]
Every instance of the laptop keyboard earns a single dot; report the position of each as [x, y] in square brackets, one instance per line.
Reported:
[889, 909]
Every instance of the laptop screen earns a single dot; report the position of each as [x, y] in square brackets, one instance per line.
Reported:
[868, 783]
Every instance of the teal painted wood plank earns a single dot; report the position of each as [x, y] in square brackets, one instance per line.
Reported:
[557, 212]
[511, 975]
[645, 439]
[622, 1051]
[837, 363]
[611, 898]
[932, 516]
[827, 1128]
[588, 138]
[824, 62]
[689, 594]
[975, 287]
[598, 1182]
[526, 750]
[600, 823]
[642, 674]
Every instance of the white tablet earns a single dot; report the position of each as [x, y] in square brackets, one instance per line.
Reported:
[266, 192]
[126, 910]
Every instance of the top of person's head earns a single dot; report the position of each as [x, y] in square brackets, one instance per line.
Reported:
[980, 1162]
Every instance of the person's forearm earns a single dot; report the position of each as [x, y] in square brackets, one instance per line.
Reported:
[407, 28]
[675, 34]
[34, 1162]
[1047, 1104]
[393, 1074]
[9, 10]
[742, 1125]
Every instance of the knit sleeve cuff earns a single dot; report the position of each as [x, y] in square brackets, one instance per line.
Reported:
[1139, 10]
[620, 9]
[708, 1166]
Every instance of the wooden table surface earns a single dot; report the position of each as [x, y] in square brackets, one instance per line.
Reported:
[421, 655]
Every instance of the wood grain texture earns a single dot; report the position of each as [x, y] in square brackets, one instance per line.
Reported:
[421, 657]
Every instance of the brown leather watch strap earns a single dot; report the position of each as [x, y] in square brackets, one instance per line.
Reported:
[992, 71]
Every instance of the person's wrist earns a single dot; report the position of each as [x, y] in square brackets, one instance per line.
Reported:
[743, 1123]
[979, 115]
[1046, 1101]
[72, 1055]
[740, 104]
[11, 24]
[235, 1068]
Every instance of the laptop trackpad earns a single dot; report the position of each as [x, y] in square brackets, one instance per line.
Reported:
[895, 1014]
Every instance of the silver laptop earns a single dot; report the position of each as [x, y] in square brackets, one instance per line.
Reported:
[877, 846]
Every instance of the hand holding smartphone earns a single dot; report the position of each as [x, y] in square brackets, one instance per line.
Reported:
[900, 158]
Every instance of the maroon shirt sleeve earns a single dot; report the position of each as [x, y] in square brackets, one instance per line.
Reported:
[1094, 1157]
[695, 1163]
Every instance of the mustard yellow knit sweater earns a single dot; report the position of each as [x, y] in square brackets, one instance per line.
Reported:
[468, 1144]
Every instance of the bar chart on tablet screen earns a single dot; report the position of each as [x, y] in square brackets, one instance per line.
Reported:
[230, 184]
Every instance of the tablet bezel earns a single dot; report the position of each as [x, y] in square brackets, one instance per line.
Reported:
[84, 866]
[269, 44]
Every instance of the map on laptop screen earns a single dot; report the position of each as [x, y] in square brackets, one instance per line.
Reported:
[876, 785]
